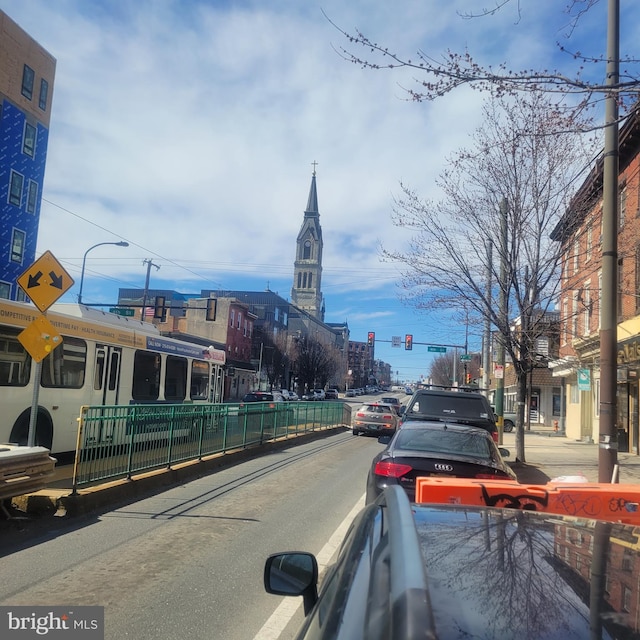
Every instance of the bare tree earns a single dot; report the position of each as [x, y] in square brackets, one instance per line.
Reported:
[517, 157]
[439, 74]
[315, 363]
[444, 370]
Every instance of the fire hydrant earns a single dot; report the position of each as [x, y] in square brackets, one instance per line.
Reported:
[555, 426]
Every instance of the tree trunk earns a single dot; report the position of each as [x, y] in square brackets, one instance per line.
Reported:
[521, 395]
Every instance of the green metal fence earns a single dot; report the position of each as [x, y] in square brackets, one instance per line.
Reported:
[119, 441]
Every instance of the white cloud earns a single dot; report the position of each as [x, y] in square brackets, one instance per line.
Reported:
[189, 128]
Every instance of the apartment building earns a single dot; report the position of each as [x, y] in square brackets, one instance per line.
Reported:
[580, 232]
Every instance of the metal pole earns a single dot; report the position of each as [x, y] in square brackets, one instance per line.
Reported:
[503, 311]
[486, 348]
[84, 260]
[608, 445]
[149, 264]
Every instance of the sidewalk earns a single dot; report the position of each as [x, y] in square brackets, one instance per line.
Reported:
[549, 455]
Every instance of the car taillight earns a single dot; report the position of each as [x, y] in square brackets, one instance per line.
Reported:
[495, 436]
[391, 469]
[387, 417]
[360, 415]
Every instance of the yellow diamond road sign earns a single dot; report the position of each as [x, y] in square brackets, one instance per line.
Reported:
[45, 281]
[39, 338]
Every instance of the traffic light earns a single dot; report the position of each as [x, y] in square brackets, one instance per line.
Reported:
[468, 378]
[160, 308]
[408, 342]
[371, 338]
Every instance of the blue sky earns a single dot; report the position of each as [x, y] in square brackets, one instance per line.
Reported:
[188, 129]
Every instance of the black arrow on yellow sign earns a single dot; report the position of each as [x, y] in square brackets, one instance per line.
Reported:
[56, 280]
[34, 280]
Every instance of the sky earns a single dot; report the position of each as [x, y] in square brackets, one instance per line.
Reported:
[188, 129]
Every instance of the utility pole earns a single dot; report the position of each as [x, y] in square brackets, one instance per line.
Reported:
[149, 264]
[486, 352]
[608, 445]
[503, 314]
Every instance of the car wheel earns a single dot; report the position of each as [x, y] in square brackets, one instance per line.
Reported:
[355, 433]
[508, 426]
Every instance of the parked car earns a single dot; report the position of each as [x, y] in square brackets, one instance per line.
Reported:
[263, 396]
[509, 420]
[331, 394]
[461, 407]
[407, 571]
[393, 401]
[290, 396]
[375, 418]
[443, 450]
[319, 394]
[350, 393]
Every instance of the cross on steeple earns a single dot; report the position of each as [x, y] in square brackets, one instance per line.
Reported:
[314, 163]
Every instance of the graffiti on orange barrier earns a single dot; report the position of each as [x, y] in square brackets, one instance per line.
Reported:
[593, 500]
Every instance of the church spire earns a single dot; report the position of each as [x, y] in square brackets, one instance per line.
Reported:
[306, 292]
[312, 203]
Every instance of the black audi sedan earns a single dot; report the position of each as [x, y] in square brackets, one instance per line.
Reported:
[436, 449]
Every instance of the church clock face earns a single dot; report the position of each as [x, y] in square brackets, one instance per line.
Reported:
[306, 250]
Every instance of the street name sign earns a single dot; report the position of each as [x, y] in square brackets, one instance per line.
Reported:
[122, 312]
[45, 281]
[437, 349]
[39, 338]
[465, 357]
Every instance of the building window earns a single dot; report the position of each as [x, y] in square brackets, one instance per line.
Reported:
[299, 279]
[574, 316]
[29, 140]
[32, 196]
[44, 94]
[586, 315]
[17, 246]
[304, 280]
[574, 397]
[626, 598]
[310, 280]
[28, 76]
[589, 243]
[620, 283]
[5, 290]
[576, 251]
[16, 182]
[232, 317]
[623, 205]
[306, 250]
[239, 320]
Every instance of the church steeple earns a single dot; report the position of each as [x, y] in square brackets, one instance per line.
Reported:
[306, 292]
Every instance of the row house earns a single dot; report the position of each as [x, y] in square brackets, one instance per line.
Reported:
[580, 232]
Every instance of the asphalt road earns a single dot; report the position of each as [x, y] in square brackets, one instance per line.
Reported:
[188, 562]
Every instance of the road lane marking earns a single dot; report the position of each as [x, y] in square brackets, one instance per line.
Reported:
[280, 618]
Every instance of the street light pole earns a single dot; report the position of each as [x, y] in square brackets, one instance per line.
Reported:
[122, 243]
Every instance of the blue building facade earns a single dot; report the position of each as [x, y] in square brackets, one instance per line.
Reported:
[26, 90]
[23, 154]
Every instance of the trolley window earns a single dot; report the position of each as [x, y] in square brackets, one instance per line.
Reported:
[65, 366]
[15, 362]
[146, 376]
[175, 381]
[199, 380]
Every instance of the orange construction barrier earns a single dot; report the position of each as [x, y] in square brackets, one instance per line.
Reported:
[592, 500]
